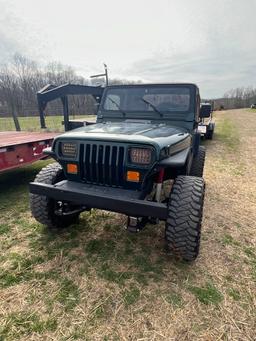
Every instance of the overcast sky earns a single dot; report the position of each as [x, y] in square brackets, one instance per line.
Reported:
[211, 43]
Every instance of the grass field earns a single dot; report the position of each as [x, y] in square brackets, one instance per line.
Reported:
[53, 123]
[96, 281]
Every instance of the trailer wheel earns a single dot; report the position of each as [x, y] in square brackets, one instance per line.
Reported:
[44, 208]
[183, 224]
[197, 167]
[209, 134]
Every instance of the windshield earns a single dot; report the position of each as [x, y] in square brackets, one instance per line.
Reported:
[156, 99]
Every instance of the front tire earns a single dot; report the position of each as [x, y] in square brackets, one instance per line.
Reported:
[44, 208]
[183, 224]
[197, 166]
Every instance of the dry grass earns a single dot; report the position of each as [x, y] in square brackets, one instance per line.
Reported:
[94, 281]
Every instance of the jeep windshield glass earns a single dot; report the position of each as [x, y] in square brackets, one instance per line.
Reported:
[152, 106]
[116, 104]
[147, 99]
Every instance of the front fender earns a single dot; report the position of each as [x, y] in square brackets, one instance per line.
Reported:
[176, 161]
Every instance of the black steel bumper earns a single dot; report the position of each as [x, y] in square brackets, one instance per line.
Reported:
[106, 198]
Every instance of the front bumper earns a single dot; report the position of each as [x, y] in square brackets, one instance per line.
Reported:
[107, 198]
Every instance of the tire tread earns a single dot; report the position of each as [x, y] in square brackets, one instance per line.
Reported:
[41, 206]
[183, 225]
[197, 167]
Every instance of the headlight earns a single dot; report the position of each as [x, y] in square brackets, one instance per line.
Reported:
[140, 155]
[69, 150]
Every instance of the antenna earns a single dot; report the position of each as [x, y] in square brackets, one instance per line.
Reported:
[102, 74]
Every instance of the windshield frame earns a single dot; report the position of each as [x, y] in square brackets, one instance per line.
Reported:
[193, 90]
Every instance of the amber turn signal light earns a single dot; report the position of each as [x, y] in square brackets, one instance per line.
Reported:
[72, 168]
[133, 176]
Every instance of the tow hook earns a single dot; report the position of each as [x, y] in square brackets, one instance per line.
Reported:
[135, 224]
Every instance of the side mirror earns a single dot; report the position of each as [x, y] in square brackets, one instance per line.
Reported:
[205, 110]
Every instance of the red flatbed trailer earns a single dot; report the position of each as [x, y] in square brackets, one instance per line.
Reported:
[22, 148]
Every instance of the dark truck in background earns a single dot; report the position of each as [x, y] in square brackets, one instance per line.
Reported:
[142, 158]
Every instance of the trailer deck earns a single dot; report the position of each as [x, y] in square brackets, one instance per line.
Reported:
[22, 148]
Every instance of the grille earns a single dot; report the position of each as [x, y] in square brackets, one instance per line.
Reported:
[102, 164]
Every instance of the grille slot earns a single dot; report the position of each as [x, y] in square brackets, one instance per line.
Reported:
[103, 164]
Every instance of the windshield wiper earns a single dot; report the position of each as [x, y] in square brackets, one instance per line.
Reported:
[152, 106]
[117, 105]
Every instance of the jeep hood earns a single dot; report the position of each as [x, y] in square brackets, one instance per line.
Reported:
[158, 135]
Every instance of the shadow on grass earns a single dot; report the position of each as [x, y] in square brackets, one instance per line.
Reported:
[14, 184]
[100, 245]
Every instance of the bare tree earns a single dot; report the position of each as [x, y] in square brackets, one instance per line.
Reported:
[22, 78]
[238, 98]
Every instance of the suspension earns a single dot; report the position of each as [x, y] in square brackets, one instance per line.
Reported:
[159, 184]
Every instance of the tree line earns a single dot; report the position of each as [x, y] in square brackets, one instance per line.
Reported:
[241, 97]
[22, 78]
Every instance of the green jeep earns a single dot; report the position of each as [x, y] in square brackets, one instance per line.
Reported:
[141, 158]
